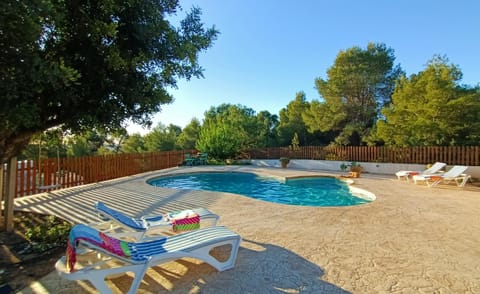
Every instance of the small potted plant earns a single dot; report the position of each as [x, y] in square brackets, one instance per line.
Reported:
[355, 169]
[284, 161]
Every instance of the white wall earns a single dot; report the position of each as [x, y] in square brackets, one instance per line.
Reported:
[369, 167]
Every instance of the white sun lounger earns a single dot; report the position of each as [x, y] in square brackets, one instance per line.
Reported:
[435, 168]
[455, 174]
[137, 257]
[150, 222]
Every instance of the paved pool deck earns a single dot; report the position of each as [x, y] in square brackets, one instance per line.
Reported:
[411, 239]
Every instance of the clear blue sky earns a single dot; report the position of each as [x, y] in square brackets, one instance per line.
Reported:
[268, 50]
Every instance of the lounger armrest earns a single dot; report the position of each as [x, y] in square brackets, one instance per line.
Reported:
[153, 217]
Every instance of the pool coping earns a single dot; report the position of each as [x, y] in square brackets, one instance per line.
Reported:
[355, 191]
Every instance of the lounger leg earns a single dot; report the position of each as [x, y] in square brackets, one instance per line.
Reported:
[416, 180]
[100, 284]
[97, 276]
[139, 274]
[434, 183]
[204, 254]
[461, 182]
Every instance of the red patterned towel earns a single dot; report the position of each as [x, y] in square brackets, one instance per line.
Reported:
[188, 223]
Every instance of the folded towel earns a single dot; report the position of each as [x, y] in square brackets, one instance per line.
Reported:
[180, 214]
[184, 220]
[136, 251]
[99, 239]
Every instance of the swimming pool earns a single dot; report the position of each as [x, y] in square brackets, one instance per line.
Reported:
[310, 191]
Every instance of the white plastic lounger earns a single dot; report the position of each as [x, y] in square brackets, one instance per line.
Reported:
[137, 257]
[178, 221]
[435, 168]
[456, 174]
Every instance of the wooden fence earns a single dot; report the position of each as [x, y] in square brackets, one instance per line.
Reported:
[56, 173]
[461, 155]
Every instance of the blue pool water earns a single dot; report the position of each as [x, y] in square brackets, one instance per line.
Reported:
[312, 191]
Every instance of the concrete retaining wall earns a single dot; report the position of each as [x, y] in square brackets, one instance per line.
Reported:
[369, 167]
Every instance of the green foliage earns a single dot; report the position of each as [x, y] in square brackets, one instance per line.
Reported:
[353, 166]
[162, 138]
[291, 121]
[45, 145]
[431, 109]
[91, 64]
[295, 146]
[80, 147]
[359, 83]
[52, 232]
[113, 142]
[189, 136]
[235, 127]
[220, 140]
[134, 143]
[267, 136]
[85, 144]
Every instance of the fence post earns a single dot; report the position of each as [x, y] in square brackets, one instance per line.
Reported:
[1, 184]
[10, 195]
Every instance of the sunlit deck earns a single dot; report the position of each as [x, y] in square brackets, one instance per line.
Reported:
[410, 239]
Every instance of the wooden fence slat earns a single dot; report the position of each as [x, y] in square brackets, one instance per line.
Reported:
[452, 155]
[69, 172]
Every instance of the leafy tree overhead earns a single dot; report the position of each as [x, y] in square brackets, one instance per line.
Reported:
[359, 83]
[431, 108]
[90, 64]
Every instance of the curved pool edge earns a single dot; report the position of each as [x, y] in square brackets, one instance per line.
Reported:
[355, 191]
[362, 193]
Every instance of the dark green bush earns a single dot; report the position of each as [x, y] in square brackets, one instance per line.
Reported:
[51, 233]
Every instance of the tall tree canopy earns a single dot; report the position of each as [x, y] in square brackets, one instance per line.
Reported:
[359, 83]
[228, 130]
[268, 129]
[189, 136]
[291, 121]
[86, 144]
[134, 143]
[162, 138]
[431, 108]
[85, 64]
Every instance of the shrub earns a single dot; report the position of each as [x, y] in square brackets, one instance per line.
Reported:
[51, 233]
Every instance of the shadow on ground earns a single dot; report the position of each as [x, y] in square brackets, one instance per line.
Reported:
[260, 268]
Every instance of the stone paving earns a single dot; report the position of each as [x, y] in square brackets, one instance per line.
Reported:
[411, 239]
